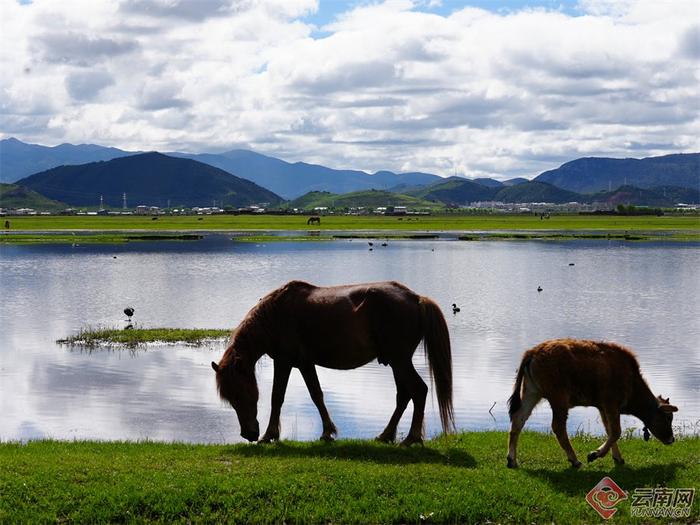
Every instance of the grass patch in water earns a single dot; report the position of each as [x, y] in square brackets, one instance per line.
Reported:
[87, 238]
[460, 478]
[134, 337]
[566, 236]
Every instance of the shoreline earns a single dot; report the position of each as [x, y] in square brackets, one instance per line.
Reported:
[119, 236]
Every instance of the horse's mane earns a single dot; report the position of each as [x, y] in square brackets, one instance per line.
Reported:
[253, 334]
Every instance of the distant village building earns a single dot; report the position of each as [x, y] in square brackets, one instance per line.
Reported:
[148, 210]
[210, 210]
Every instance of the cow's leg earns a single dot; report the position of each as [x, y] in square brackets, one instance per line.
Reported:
[559, 415]
[530, 398]
[614, 432]
[617, 456]
[417, 391]
[279, 387]
[402, 399]
[308, 371]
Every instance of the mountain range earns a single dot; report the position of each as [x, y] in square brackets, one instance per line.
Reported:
[289, 180]
[593, 174]
[79, 174]
[149, 179]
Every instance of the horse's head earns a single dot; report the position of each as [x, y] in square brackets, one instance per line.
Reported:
[237, 385]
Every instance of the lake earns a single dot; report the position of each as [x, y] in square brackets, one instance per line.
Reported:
[644, 295]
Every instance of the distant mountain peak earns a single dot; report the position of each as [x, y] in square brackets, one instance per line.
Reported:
[149, 178]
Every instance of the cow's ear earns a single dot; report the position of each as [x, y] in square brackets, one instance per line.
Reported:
[669, 408]
[215, 366]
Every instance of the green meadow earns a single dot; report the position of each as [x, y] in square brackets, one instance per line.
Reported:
[460, 478]
[447, 222]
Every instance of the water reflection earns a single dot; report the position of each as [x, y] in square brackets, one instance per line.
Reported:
[643, 295]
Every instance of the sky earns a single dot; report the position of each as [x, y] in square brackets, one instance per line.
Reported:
[475, 88]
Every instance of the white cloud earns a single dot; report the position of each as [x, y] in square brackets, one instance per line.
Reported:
[386, 85]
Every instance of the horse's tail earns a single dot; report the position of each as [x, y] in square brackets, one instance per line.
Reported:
[436, 340]
[514, 401]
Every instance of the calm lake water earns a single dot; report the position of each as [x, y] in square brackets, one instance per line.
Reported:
[643, 295]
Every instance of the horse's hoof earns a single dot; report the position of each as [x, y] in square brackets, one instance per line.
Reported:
[327, 438]
[512, 463]
[576, 464]
[618, 461]
[592, 456]
[411, 441]
[268, 439]
[385, 439]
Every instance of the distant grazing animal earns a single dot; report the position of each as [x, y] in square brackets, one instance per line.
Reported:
[455, 308]
[342, 327]
[7, 225]
[314, 220]
[570, 373]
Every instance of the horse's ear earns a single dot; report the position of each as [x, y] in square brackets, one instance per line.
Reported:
[669, 408]
[215, 366]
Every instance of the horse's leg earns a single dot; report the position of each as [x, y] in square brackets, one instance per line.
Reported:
[418, 391]
[279, 387]
[402, 399]
[308, 371]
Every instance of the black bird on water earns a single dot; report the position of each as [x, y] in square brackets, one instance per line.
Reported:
[455, 308]
[539, 288]
[129, 311]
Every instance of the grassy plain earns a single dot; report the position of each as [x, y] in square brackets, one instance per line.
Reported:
[455, 479]
[449, 222]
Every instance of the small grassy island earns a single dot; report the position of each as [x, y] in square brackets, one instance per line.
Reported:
[132, 338]
[461, 478]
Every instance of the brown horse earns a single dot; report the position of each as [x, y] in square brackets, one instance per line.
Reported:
[570, 373]
[301, 325]
[315, 219]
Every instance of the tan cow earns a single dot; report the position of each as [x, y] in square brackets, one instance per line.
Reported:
[570, 373]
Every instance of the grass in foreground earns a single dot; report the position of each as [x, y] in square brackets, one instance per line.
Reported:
[132, 338]
[460, 478]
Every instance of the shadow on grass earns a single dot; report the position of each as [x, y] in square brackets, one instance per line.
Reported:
[575, 482]
[358, 451]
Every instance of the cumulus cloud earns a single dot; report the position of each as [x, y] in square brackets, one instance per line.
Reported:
[85, 86]
[384, 85]
[80, 49]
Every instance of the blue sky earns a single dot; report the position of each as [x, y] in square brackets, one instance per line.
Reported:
[328, 10]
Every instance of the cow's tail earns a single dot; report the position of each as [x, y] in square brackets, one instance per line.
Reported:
[514, 401]
[436, 340]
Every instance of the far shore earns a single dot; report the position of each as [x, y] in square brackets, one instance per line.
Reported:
[269, 228]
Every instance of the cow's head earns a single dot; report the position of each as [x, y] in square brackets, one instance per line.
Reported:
[661, 421]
